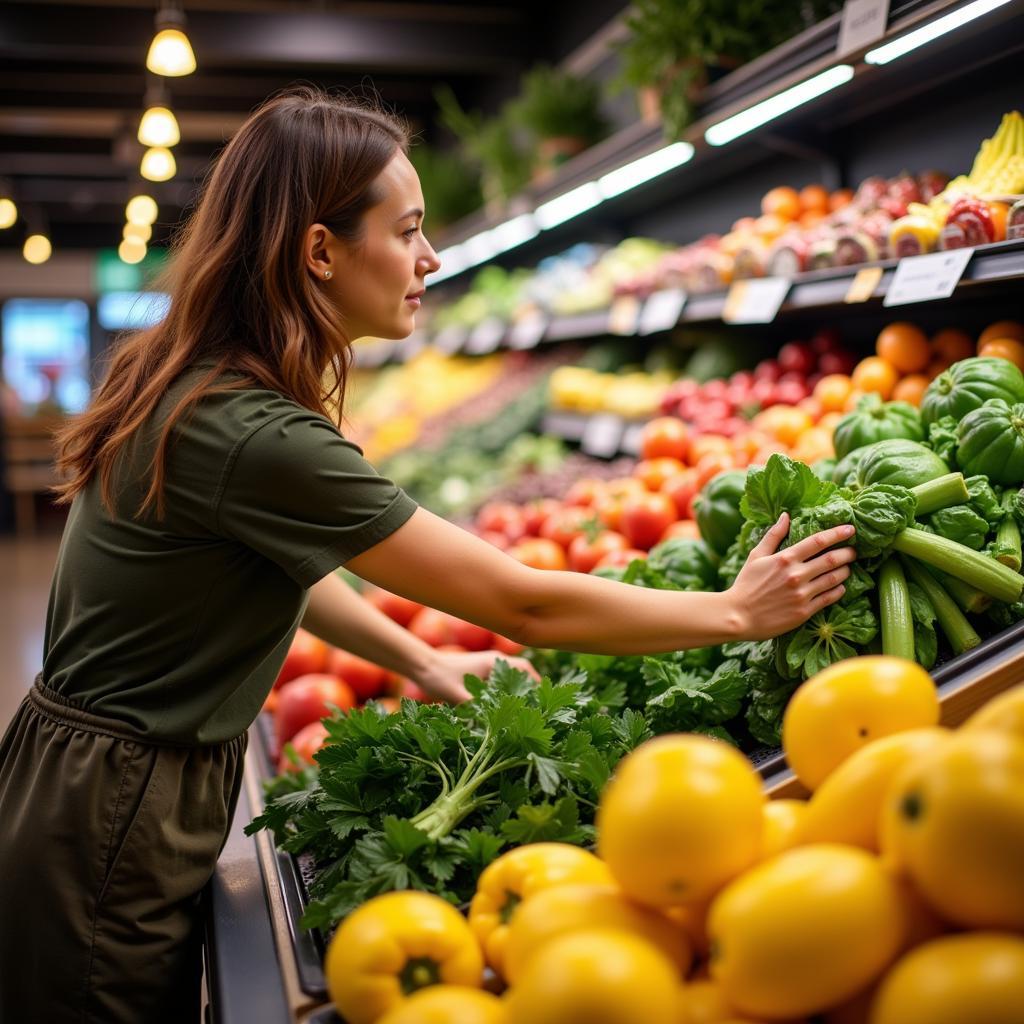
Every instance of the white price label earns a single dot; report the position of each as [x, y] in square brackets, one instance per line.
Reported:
[631, 439]
[528, 333]
[864, 22]
[661, 311]
[486, 336]
[757, 301]
[602, 436]
[624, 314]
[934, 275]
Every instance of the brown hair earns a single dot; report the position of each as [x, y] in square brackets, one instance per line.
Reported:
[241, 298]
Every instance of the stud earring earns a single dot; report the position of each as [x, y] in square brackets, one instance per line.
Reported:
[327, 275]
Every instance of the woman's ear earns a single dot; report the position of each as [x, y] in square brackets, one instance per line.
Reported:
[317, 248]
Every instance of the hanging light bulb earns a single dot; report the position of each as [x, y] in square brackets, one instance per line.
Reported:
[141, 232]
[132, 250]
[37, 249]
[159, 127]
[141, 210]
[170, 53]
[8, 213]
[158, 164]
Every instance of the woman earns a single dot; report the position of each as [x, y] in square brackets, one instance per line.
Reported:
[212, 498]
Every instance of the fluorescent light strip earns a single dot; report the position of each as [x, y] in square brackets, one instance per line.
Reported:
[769, 109]
[514, 232]
[647, 167]
[452, 262]
[571, 204]
[934, 29]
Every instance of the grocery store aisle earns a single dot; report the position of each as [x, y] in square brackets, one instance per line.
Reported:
[25, 568]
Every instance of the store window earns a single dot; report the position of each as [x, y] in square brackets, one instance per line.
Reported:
[45, 345]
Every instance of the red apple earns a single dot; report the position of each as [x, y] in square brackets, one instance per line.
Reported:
[399, 609]
[306, 700]
[307, 741]
[470, 636]
[366, 679]
[433, 627]
[796, 357]
[306, 654]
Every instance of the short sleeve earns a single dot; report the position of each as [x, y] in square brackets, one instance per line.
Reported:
[299, 493]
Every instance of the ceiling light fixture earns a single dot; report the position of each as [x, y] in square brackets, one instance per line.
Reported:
[568, 205]
[141, 232]
[170, 52]
[926, 33]
[131, 250]
[37, 249]
[141, 209]
[777, 105]
[636, 172]
[159, 127]
[158, 164]
[8, 213]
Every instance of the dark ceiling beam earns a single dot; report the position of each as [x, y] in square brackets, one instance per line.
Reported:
[98, 124]
[74, 166]
[74, 200]
[297, 40]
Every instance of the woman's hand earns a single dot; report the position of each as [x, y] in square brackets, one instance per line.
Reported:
[443, 677]
[777, 591]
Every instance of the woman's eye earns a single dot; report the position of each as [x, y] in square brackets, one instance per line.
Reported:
[410, 232]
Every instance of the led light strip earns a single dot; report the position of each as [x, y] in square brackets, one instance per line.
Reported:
[926, 33]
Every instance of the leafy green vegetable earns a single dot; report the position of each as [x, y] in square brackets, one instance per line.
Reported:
[823, 468]
[984, 500]
[901, 462]
[829, 636]
[689, 564]
[686, 702]
[1006, 546]
[962, 524]
[926, 646]
[782, 485]
[942, 437]
[845, 473]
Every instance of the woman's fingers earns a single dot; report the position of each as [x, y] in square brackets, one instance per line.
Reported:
[832, 559]
[827, 597]
[770, 542]
[828, 580]
[819, 542]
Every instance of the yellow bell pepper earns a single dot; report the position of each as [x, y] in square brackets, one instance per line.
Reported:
[448, 1004]
[515, 876]
[394, 945]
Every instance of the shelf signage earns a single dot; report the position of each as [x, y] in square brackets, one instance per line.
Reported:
[863, 285]
[602, 436]
[485, 337]
[756, 301]
[863, 22]
[925, 278]
[528, 332]
[661, 311]
[624, 315]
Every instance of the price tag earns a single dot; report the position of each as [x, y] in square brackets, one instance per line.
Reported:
[602, 436]
[864, 22]
[486, 336]
[661, 311]
[757, 301]
[863, 285]
[630, 443]
[528, 332]
[624, 314]
[450, 340]
[923, 278]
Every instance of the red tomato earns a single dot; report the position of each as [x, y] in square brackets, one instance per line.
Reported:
[645, 518]
[539, 553]
[535, 512]
[839, 361]
[471, 636]
[790, 392]
[433, 627]
[565, 525]
[307, 654]
[506, 646]
[414, 692]
[715, 390]
[685, 529]
[664, 436]
[501, 517]
[390, 704]
[620, 559]
[609, 510]
[305, 700]
[399, 609]
[827, 339]
[654, 472]
[366, 679]
[584, 492]
[796, 357]
[700, 446]
[763, 392]
[584, 553]
[307, 741]
[711, 465]
[497, 540]
[767, 369]
[681, 489]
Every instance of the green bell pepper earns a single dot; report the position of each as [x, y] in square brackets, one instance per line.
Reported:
[718, 509]
[874, 420]
[967, 385]
[991, 442]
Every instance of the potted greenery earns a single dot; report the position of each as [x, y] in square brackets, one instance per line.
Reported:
[492, 144]
[561, 112]
[451, 186]
[673, 44]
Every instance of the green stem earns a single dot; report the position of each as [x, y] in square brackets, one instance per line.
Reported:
[894, 609]
[988, 575]
[959, 632]
[970, 599]
[1008, 535]
[439, 769]
[941, 492]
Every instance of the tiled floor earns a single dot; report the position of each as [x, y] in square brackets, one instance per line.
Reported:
[25, 570]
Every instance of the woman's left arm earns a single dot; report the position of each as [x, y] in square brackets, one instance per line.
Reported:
[338, 615]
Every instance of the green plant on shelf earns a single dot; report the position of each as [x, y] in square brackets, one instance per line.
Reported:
[451, 186]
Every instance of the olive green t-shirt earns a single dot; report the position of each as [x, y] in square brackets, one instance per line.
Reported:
[178, 627]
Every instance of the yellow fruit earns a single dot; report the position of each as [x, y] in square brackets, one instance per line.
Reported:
[704, 1003]
[600, 976]
[847, 806]
[680, 818]
[782, 826]
[850, 704]
[976, 978]
[570, 908]
[954, 822]
[804, 931]
[447, 1004]
[1004, 713]
[393, 945]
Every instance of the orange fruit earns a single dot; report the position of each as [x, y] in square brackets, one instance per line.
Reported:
[832, 391]
[707, 443]
[782, 202]
[839, 198]
[812, 407]
[1002, 329]
[814, 197]
[911, 388]
[814, 444]
[905, 346]
[785, 423]
[1004, 348]
[999, 212]
[936, 366]
[952, 345]
[855, 395]
[831, 420]
[876, 374]
[770, 226]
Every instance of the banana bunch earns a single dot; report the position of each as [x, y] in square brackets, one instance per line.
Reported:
[999, 166]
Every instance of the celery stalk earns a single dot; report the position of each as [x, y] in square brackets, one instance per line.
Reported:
[1008, 535]
[941, 492]
[959, 632]
[971, 600]
[980, 571]
[894, 611]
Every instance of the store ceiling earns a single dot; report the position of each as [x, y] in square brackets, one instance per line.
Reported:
[72, 84]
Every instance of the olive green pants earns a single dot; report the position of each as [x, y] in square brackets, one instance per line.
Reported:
[106, 843]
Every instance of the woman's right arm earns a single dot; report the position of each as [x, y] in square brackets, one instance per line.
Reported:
[431, 561]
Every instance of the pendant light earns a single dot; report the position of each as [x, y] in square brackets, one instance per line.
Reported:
[141, 209]
[158, 164]
[170, 52]
[140, 232]
[37, 249]
[159, 127]
[8, 213]
[132, 250]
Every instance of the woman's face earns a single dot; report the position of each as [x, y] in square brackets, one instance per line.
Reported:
[378, 283]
